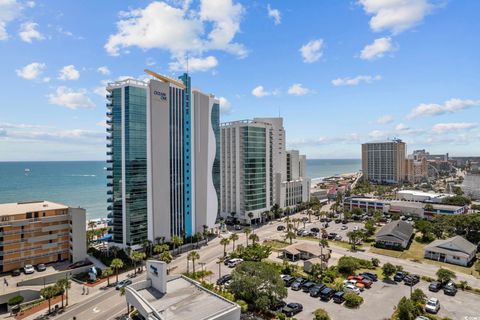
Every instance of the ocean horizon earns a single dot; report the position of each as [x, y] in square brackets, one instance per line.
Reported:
[84, 183]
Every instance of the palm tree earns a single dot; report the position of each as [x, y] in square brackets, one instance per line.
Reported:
[205, 232]
[225, 242]
[114, 250]
[254, 238]
[107, 273]
[194, 255]
[116, 265]
[250, 215]
[159, 248]
[247, 231]
[122, 293]
[220, 260]
[323, 243]
[233, 238]
[147, 247]
[63, 285]
[290, 236]
[48, 293]
[137, 256]
[166, 257]
[188, 263]
[177, 241]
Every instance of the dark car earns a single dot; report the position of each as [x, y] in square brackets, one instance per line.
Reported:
[292, 309]
[315, 290]
[369, 275]
[123, 284]
[278, 305]
[307, 286]
[280, 228]
[315, 230]
[435, 286]
[16, 273]
[297, 284]
[411, 280]
[338, 220]
[399, 276]
[332, 235]
[224, 279]
[327, 294]
[449, 289]
[323, 219]
[344, 221]
[41, 267]
[288, 280]
[338, 297]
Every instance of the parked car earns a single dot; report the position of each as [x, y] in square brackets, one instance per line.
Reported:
[450, 289]
[351, 287]
[315, 230]
[327, 294]
[356, 228]
[315, 290]
[16, 273]
[399, 276]
[435, 286]
[226, 261]
[223, 279]
[280, 228]
[344, 222]
[307, 286]
[422, 318]
[123, 284]
[367, 283]
[332, 235]
[237, 227]
[300, 232]
[369, 275]
[278, 305]
[432, 305]
[41, 267]
[288, 280]
[338, 297]
[344, 227]
[234, 262]
[338, 237]
[292, 309]
[338, 221]
[28, 269]
[297, 284]
[411, 280]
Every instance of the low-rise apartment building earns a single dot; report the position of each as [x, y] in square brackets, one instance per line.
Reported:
[40, 232]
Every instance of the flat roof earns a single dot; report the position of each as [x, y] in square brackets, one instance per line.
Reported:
[186, 300]
[421, 193]
[7, 209]
[411, 204]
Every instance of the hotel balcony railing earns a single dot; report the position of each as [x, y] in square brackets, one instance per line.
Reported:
[110, 177]
[110, 185]
[109, 137]
[109, 145]
[109, 161]
[109, 130]
[109, 192]
[110, 200]
[109, 169]
[110, 105]
[109, 153]
[109, 96]
[109, 122]
[109, 208]
[110, 215]
[109, 114]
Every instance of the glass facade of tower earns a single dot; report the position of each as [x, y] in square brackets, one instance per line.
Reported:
[216, 163]
[136, 164]
[254, 166]
[115, 173]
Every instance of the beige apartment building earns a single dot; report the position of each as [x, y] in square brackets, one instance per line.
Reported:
[40, 232]
[384, 161]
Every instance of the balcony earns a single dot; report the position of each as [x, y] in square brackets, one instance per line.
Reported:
[109, 177]
[109, 130]
[109, 105]
[110, 200]
[109, 185]
[109, 153]
[109, 96]
[109, 192]
[109, 208]
[109, 169]
[110, 216]
[109, 137]
[109, 161]
[109, 114]
[109, 122]
[109, 145]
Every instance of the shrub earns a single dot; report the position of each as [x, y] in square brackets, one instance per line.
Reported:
[16, 300]
[348, 265]
[320, 314]
[375, 262]
[427, 278]
[352, 300]
[243, 305]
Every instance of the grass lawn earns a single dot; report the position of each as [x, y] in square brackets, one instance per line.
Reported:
[415, 253]
[276, 244]
[342, 244]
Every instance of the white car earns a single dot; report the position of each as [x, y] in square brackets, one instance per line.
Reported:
[234, 262]
[344, 228]
[355, 228]
[28, 269]
[350, 287]
[433, 305]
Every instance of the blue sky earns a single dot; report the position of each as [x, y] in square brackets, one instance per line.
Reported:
[339, 72]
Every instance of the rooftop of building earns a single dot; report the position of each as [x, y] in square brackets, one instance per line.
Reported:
[186, 300]
[457, 244]
[385, 141]
[422, 193]
[7, 209]
[411, 204]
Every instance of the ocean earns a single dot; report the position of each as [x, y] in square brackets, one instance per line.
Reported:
[83, 183]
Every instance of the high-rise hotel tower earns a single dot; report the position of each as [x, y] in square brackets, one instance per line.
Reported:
[163, 165]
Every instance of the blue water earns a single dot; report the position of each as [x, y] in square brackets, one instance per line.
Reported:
[83, 183]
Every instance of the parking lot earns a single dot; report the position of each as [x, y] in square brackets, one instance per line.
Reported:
[338, 228]
[380, 300]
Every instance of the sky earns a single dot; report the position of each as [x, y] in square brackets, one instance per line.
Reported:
[340, 73]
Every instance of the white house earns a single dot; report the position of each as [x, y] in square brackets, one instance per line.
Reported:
[456, 250]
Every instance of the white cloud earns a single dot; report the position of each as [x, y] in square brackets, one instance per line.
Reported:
[297, 89]
[377, 49]
[449, 106]
[385, 119]
[183, 29]
[401, 127]
[376, 134]
[355, 81]
[395, 15]
[31, 71]
[259, 92]
[70, 98]
[274, 14]
[103, 70]
[312, 51]
[69, 73]
[454, 126]
[9, 11]
[194, 64]
[29, 32]
[225, 105]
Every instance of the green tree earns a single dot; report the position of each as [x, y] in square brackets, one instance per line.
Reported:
[225, 242]
[370, 228]
[354, 237]
[177, 241]
[48, 293]
[406, 309]
[136, 257]
[116, 265]
[15, 301]
[418, 296]
[107, 272]
[352, 300]
[249, 276]
[425, 228]
[290, 236]
[166, 257]
[347, 265]
[375, 262]
[233, 238]
[254, 238]
[122, 293]
[247, 232]
[320, 314]
[255, 252]
[63, 285]
[159, 248]
[445, 275]
[194, 255]
[388, 270]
